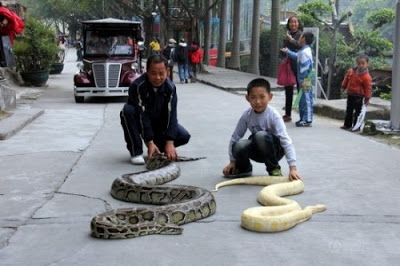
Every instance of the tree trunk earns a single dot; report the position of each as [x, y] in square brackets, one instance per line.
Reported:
[222, 33]
[207, 33]
[255, 40]
[234, 62]
[275, 19]
[333, 54]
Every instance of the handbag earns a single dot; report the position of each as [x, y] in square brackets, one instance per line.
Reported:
[286, 76]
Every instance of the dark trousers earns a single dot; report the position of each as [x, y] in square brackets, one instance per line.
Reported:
[130, 121]
[353, 109]
[262, 147]
[289, 99]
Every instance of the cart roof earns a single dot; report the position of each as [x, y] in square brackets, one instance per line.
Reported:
[110, 21]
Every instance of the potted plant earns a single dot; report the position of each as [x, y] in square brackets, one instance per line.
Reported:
[34, 52]
[58, 64]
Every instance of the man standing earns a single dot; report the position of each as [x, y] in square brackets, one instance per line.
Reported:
[168, 53]
[151, 114]
[182, 58]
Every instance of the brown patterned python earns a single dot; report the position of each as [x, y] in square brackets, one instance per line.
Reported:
[182, 204]
[278, 214]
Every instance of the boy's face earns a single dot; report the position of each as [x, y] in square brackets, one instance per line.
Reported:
[259, 99]
[362, 64]
[302, 40]
[157, 74]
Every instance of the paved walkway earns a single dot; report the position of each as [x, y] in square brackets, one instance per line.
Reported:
[55, 175]
[236, 82]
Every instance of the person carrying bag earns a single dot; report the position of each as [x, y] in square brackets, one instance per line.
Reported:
[286, 76]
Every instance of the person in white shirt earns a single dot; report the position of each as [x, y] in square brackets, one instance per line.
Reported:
[269, 140]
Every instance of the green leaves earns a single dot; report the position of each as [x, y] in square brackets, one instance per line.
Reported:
[315, 8]
[36, 48]
[378, 18]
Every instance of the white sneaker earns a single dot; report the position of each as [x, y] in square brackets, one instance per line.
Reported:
[138, 159]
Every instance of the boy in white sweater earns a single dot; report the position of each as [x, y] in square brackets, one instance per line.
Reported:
[269, 140]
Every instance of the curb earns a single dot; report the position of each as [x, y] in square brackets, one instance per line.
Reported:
[18, 119]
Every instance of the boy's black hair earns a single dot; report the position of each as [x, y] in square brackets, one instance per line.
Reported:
[363, 56]
[156, 59]
[290, 18]
[259, 82]
[309, 36]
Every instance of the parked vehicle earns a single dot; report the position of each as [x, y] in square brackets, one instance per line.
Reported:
[111, 58]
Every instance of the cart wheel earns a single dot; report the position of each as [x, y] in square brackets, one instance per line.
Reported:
[79, 99]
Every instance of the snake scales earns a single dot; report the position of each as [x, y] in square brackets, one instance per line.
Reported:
[180, 204]
[278, 214]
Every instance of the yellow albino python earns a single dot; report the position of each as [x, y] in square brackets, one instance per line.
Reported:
[182, 204]
[279, 214]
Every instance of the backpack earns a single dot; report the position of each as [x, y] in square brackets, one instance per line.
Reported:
[180, 54]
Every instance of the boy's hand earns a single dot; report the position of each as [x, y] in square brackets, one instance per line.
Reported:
[228, 169]
[366, 102]
[293, 174]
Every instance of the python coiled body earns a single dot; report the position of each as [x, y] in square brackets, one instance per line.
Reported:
[179, 204]
[278, 214]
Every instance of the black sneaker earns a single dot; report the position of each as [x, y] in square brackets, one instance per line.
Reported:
[302, 123]
[236, 173]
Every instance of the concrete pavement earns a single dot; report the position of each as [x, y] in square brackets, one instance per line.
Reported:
[56, 174]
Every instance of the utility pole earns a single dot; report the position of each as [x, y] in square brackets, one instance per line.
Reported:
[395, 105]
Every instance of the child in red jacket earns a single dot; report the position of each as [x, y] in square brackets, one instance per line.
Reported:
[195, 57]
[358, 85]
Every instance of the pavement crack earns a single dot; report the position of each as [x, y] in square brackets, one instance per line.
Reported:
[358, 218]
[106, 204]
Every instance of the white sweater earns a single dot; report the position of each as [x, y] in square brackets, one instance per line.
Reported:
[269, 120]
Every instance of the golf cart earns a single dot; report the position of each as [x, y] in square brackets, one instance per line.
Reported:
[111, 58]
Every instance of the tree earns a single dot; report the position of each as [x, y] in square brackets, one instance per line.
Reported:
[197, 10]
[316, 10]
[234, 62]
[207, 33]
[380, 17]
[275, 21]
[255, 39]
[223, 17]
[363, 8]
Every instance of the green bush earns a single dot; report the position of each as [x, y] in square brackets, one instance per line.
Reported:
[35, 49]
[265, 48]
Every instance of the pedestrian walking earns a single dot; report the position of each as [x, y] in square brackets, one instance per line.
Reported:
[269, 140]
[195, 57]
[182, 59]
[155, 46]
[151, 114]
[291, 41]
[168, 53]
[305, 75]
[79, 48]
[358, 85]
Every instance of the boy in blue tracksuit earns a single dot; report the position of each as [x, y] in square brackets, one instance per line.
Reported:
[305, 76]
[151, 114]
